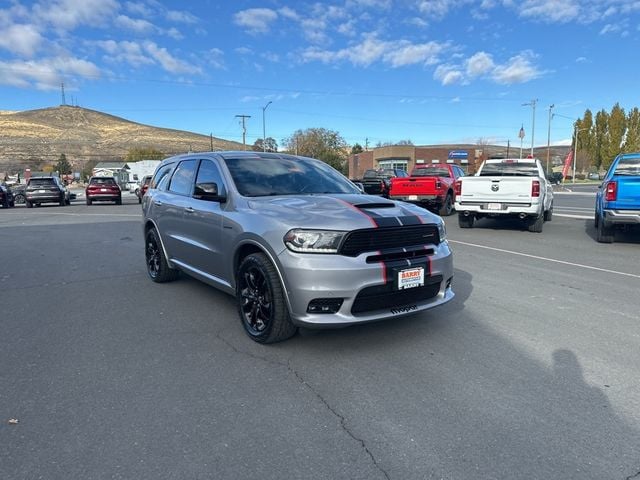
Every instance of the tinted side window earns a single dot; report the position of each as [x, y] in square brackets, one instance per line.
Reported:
[209, 173]
[182, 178]
[159, 176]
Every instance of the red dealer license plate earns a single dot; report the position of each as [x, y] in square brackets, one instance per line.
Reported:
[410, 278]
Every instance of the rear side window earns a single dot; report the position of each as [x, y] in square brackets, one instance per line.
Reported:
[182, 178]
[628, 166]
[160, 175]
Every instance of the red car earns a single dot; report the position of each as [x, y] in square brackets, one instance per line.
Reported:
[146, 180]
[103, 189]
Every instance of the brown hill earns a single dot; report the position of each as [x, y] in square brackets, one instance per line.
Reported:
[35, 138]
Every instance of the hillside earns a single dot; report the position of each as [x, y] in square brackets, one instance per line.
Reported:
[35, 137]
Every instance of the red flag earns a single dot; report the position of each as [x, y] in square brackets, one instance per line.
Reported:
[567, 164]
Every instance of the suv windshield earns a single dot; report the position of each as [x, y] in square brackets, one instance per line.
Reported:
[256, 177]
[509, 169]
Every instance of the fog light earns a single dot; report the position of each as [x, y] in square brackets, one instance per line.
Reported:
[324, 305]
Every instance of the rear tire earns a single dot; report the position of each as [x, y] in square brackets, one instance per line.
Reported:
[119, 201]
[261, 303]
[139, 199]
[465, 222]
[537, 224]
[604, 232]
[28, 204]
[88, 201]
[19, 199]
[548, 214]
[157, 265]
[447, 207]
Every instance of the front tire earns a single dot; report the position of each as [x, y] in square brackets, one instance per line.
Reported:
[261, 302]
[88, 201]
[28, 204]
[19, 199]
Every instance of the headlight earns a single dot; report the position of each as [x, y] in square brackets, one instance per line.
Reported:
[442, 231]
[313, 241]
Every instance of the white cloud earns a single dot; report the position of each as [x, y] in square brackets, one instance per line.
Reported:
[46, 74]
[448, 75]
[125, 52]
[139, 8]
[436, 9]
[69, 14]
[519, 69]
[174, 33]
[181, 17]
[479, 64]
[169, 62]
[135, 25]
[216, 58]
[243, 51]
[288, 12]
[562, 11]
[371, 50]
[256, 20]
[582, 60]
[21, 39]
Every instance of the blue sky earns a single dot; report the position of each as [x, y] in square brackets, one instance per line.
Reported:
[433, 72]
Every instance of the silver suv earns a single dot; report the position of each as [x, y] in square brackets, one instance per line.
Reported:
[293, 240]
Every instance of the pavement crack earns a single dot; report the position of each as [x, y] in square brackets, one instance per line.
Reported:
[631, 477]
[343, 421]
[304, 383]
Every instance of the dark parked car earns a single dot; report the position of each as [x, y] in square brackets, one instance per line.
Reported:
[103, 189]
[377, 182]
[294, 241]
[6, 196]
[18, 193]
[46, 190]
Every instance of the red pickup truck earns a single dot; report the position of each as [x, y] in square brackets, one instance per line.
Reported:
[431, 186]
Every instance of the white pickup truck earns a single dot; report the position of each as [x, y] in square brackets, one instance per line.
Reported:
[503, 188]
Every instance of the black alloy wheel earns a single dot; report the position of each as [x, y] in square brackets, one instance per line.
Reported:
[447, 208]
[157, 266]
[18, 198]
[261, 303]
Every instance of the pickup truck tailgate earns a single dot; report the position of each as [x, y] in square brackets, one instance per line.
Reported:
[409, 186]
[628, 196]
[496, 189]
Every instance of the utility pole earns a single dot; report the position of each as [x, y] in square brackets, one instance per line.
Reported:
[211, 141]
[549, 137]
[244, 130]
[521, 136]
[264, 131]
[366, 144]
[532, 103]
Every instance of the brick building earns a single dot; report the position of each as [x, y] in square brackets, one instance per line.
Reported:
[407, 157]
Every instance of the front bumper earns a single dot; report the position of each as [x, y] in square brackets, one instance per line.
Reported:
[622, 217]
[310, 277]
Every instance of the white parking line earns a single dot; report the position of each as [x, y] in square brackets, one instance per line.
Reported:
[580, 217]
[92, 214]
[546, 259]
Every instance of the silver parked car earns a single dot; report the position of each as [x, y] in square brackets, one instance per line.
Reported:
[293, 240]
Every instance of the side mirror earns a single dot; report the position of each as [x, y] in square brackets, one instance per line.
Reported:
[208, 192]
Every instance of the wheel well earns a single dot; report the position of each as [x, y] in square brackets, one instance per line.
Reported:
[244, 251]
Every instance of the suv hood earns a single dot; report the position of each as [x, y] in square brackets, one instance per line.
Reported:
[341, 212]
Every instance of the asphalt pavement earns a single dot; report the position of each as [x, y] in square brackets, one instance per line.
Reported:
[531, 372]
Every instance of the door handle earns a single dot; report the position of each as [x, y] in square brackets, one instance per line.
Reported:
[157, 202]
[189, 209]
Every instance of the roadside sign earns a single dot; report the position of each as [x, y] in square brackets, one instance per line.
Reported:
[458, 154]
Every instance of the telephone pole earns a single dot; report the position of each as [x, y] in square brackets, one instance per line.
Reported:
[244, 130]
[532, 104]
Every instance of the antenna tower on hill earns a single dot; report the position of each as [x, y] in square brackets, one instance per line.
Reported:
[64, 102]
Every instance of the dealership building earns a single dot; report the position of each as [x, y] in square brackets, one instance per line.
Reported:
[406, 157]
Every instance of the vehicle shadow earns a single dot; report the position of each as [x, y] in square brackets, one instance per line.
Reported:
[501, 224]
[629, 234]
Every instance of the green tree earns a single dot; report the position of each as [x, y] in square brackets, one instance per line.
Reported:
[320, 143]
[63, 167]
[270, 145]
[149, 153]
[632, 139]
[617, 129]
[87, 170]
[357, 148]
[601, 140]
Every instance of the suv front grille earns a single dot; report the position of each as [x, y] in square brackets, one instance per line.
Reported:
[375, 239]
[382, 297]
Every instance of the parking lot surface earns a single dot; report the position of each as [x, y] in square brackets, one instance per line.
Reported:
[530, 372]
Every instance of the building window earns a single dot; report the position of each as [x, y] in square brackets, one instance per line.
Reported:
[395, 163]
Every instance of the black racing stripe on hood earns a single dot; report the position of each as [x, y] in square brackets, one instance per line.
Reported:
[383, 221]
[410, 218]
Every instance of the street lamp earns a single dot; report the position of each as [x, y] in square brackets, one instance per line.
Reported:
[532, 103]
[264, 134]
[549, 138]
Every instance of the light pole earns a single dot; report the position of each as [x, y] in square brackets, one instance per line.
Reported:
[521, 137]
[264, 132]
[549, 138]
[532, 103]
